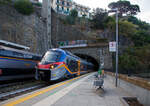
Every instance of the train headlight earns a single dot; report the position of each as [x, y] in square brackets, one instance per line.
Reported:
[51, 67]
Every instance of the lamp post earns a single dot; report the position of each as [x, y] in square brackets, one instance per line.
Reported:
[116, 75]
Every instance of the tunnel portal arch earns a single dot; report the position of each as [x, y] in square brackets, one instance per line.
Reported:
[89, 59]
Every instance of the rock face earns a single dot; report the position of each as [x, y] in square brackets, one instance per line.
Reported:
[26, 30]
[61, 32]
[31, 30]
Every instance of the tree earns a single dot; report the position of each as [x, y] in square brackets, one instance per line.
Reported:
[71, 18]
[135, 60]
[126, 28]
[142, 24]
[24, 7]
[141, 38]
[99, 18]
[74, 13]
[125, 7]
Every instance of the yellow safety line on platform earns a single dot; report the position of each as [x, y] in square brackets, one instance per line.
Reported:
[12, 103]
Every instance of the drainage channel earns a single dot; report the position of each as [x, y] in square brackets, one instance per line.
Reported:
[132, 101]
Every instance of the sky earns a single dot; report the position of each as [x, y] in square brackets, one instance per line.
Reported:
[144, 15]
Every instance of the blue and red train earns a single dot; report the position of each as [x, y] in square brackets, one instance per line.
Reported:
[57, 64]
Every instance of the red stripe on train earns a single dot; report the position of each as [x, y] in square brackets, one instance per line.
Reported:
[47, 66]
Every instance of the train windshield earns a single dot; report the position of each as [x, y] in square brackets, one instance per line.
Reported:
[51, 56]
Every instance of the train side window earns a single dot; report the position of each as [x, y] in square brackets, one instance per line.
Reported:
[68, 62]
[37, 57]
[16, 54]
[75, 66]
[1, 52]
[72, 64]
[28, 56]
[6, 53]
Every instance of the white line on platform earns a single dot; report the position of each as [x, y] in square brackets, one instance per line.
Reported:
[55, 97]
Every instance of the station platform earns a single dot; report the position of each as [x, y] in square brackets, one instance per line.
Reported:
[74, 92]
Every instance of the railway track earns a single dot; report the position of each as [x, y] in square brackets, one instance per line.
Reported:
[11, 94]
[4, 84]
[14, 89]
[7, 85]
[11, 90]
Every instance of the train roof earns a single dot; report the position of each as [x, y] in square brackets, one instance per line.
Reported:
[13, 45]
[57, 49]
[16, 50]
[70, 54]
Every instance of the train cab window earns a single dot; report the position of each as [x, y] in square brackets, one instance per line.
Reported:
[51, 56]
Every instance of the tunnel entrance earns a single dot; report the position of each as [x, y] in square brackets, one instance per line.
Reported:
[89, 59]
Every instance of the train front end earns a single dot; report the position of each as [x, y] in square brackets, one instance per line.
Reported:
[49, 69]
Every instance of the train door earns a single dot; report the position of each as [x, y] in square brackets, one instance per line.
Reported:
[72, 64]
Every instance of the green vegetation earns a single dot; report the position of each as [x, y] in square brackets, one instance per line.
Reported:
[135, 59]
[24, 7]
[38, 4]
[71, 18]
[125, 7]
[99, 18]
[142, 25]
[74, 13]
[125, 28]
[141, 38]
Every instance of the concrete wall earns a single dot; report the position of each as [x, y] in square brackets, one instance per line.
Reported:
[141, 93]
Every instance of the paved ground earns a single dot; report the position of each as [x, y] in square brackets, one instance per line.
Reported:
[86, 95]
[78, 92]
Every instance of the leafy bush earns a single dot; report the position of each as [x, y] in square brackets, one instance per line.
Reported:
[99, 18]
[142, 25]
[135, 60]
[74, 13]
[128, 64]
[38, 4]
[24, 7]
[141, 38]
[125, 28]
[71, 18]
